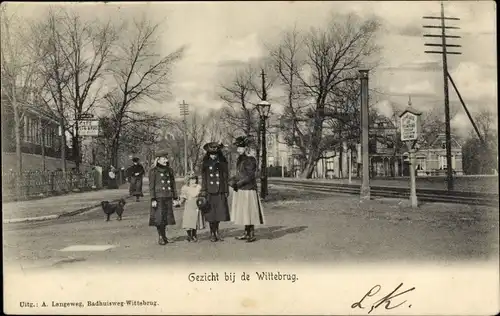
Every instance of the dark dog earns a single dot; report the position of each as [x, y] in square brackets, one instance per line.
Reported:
[109, 208]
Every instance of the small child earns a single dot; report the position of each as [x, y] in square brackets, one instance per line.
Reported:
[192, 218]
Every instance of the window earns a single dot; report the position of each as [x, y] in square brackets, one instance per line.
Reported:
[33, 131]
[421, 163]
[381, 145]
[442, 162]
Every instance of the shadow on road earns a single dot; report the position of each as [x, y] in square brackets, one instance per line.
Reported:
[270, 233]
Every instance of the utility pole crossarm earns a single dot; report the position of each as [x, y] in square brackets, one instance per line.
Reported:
[441, 45]
[441, 52]
[440, 27]
[439, 18]
[447, 36]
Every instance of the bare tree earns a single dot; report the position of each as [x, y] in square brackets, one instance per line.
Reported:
[197, 134]
[55, 75]
[240, 112]
[18, 72]
[486, 121]
[313, 66]
[140, 73]
[87, 46]
[76, 54]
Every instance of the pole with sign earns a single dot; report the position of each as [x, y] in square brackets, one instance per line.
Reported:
[410, 130]
[88, 129]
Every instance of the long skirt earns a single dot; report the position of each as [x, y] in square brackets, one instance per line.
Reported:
[112, 183]
[163, 213]
[246, 208]
[219, 208]
[135, 188]
[192, 217]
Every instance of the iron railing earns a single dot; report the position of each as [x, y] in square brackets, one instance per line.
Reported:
[36, 184]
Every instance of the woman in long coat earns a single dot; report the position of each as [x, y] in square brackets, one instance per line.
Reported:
[246, 208]
[163, 191]
[135, 173]
[214, 185]
[112, 181]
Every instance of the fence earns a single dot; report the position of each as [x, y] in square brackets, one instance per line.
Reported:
[34, 184]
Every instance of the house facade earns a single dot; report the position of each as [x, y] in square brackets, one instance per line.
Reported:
[431, 159]
[39, 138]
[386, 159]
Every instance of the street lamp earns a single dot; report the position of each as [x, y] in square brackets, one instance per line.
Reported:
[263, 108]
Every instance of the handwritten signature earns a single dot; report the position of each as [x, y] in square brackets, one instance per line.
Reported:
[386, 300]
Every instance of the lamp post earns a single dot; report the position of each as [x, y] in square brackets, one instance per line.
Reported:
[263, 108]
[365, 186]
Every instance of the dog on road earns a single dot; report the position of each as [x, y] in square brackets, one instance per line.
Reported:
[110, 208]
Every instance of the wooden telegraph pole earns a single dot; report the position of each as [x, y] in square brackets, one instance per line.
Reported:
[444, 52]
[184, 107]
[446, 76]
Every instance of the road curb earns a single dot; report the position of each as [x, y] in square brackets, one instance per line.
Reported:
[54, 216]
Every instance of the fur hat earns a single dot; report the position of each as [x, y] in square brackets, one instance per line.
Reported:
[161, 153]
[241, 141]
[213, 147]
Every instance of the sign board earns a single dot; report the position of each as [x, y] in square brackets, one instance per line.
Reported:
[410, 126]
[88, 127]
[86, 116]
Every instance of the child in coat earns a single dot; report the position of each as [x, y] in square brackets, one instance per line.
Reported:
[192, 218]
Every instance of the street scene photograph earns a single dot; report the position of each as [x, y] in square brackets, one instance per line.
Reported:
[270, 135]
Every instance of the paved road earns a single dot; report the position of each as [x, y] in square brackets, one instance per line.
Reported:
[319, 229]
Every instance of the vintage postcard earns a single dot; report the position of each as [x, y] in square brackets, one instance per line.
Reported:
[253, 158]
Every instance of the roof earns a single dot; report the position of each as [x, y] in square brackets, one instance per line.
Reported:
[431, 140]
[411, 110]
[37, 111]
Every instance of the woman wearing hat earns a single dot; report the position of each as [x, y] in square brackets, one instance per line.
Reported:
[163, 192]
[246, 208]
[214, 186]
[135, 173]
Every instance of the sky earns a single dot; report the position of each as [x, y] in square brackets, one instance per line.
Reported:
[220, 35]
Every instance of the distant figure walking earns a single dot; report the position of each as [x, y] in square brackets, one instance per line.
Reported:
[192, 219]
[112, 181]
[246, 208]
[135, 174]
[163, 191]
[214, 186]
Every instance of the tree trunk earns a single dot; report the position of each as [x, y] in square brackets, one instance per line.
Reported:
[43, 145]
[76, 151]
[341, 162]
[308, 170]
[114, 152]
[19, 156]
[63, 147]
[314, 151]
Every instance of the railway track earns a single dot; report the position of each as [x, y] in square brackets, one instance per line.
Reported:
[426, 195]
